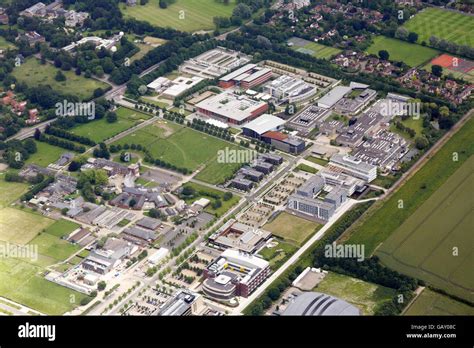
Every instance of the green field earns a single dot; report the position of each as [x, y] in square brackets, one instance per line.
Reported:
[101, 130]
[20, 227]
[278, 254]
[4, 44]
[218, 173]
[10, 191]
[62, 228]
[184, 15]
[402, 51]
[292, 228]
[46, 154]
[433, 303]
[21, 281]
[451, 26]
[422, 246]
[306, 168]
[314, 49]
[33, 74]
[410, 122]
[203, 191]
[184, 148]
[54, 247]
[364, 295]
[385, 217]
[320, 161]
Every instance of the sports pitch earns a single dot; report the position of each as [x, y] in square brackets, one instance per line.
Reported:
[458, 67]
[449, 25]
[436, 243]
[312, 48]
[402, 51]
[184, 147]
[184, 15]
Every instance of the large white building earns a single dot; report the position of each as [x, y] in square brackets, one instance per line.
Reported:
[231, 108]
[355, 167]
[290, 89]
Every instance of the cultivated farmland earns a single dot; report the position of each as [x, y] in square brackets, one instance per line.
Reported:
[433, 303]
[385, 217]
[448, 25]
[402, 51]
[184, 15]
[436, 243]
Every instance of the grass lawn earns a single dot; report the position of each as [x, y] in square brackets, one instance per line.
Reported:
[10, 191]
[218, 173]
[20, 227]
[33, 74]
[21, 282]
[451, 26]
[46, 154]
[422, 246]
[320, 161]
[101, 130]
[278, 254]
[292, 228]
[314, 49]
[306, 168]
[183, 147]
[410, 122]
[54, 247]
[62, 228]
[4, 44]
[433, 303]
[411, 54]
[365, 296]
[204, 191]
[184, 15]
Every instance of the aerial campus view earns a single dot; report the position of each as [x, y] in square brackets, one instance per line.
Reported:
[229, 158]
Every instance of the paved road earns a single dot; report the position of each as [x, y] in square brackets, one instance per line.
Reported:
[291, 261]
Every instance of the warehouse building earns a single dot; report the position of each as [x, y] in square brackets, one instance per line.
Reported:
[231, 108]
[246, 77]
[315, 304]
[265, 123]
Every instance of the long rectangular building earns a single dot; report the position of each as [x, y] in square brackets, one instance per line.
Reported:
[354, 166]
[231, 108]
